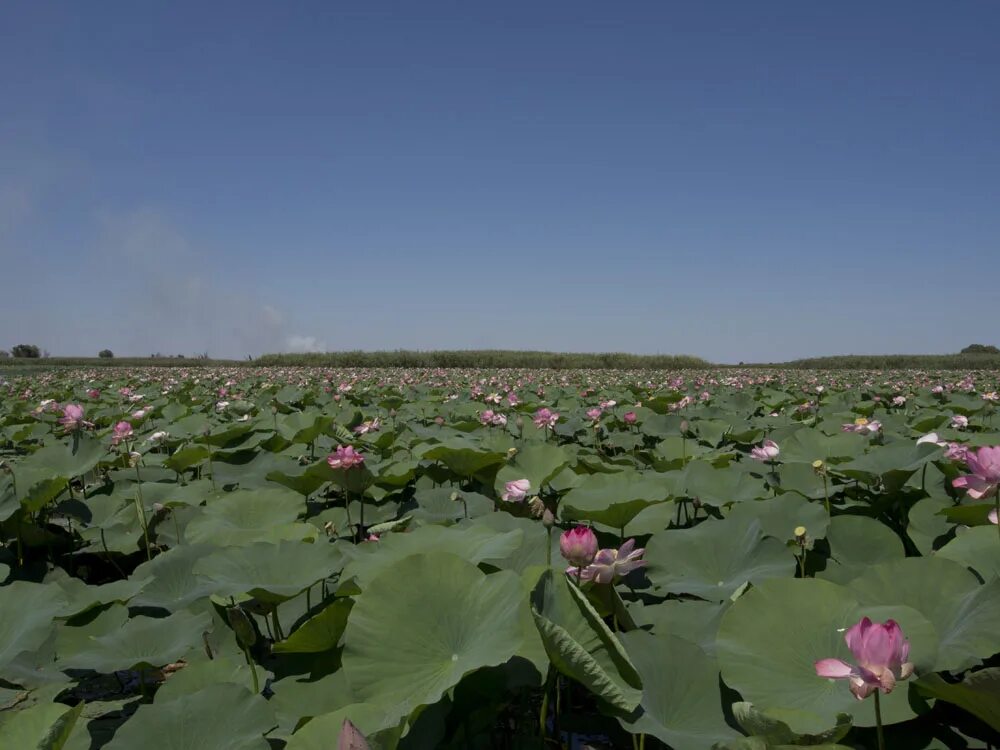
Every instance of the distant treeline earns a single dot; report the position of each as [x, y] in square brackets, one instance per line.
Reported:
[493, 359]
[50, 362]
[894, 362]
[487, 359]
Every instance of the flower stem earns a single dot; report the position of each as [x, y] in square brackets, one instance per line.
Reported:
[878, 721]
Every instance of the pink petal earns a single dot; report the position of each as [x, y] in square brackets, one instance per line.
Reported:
[833, 668]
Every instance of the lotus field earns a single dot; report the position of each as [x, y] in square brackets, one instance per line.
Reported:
[311, 559]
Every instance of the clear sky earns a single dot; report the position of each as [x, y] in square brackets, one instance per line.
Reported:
[736, 180]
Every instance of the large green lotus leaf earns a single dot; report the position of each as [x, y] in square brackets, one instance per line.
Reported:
[270, 572]
[673, 451]
[251, 470]
[220, 717]
[926, 526]
[978, 693]
[806, 446]
[198, 675]
[247, 516]
[425, 622]
[142, 642]
[302, 427]
[435, 505]
[779, 516]
[680, 692]
[473, 542]
[856, 543]
[977, 548]
[615, 499]
[321, 632]
[74, 459]
[295, 699]
[186, 457]
[581, 646]
[28, 609]
[46, 726]
[464, 457]
[713, 559]
[711, 431]
[691, 619]
[536, 463]
[81, 597]
[655, 518]
[777, 733]
[174, 584]
[531, 550]
[802, 479]
[369, 718]
[718, 487]
[892, 463]
[771, 637]
[965, 614]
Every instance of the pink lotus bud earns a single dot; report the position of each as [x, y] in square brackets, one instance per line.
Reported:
[629, 417]
[578, 546]
[516, 490]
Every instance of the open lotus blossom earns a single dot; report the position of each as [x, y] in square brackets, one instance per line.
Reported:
[121, 431]
[72, 418]
[515, 491]
[956, 452]
[899, 401]
[158, 437]
[612, 564]
[545, 419]
[960, 422]
[984, 473]
[766, 451]
[345, 457]
[880, 652]
[862, 426]
[369, 425]
[594, 414]
[578, 546]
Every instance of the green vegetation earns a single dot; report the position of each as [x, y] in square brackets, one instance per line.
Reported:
[487, 358]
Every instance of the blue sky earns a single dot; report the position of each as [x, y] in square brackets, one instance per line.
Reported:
[740, 181]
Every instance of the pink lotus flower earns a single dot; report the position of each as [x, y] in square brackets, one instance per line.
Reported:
[344, 458]
[369, 425]
[629, 417]
[121, 431]
[594, 414]
[612, 564]
[766, 451]
[957, 452]
[984, 476]
[959, 421]
[72, 418]
[545, 418]
[512, 399]
[862, 426]
[899, 401]
[578, 546]
[880, 651]
[93, 393]
[515, 491]
[486, 417]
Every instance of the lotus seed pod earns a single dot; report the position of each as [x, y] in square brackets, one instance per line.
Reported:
[536, 506]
